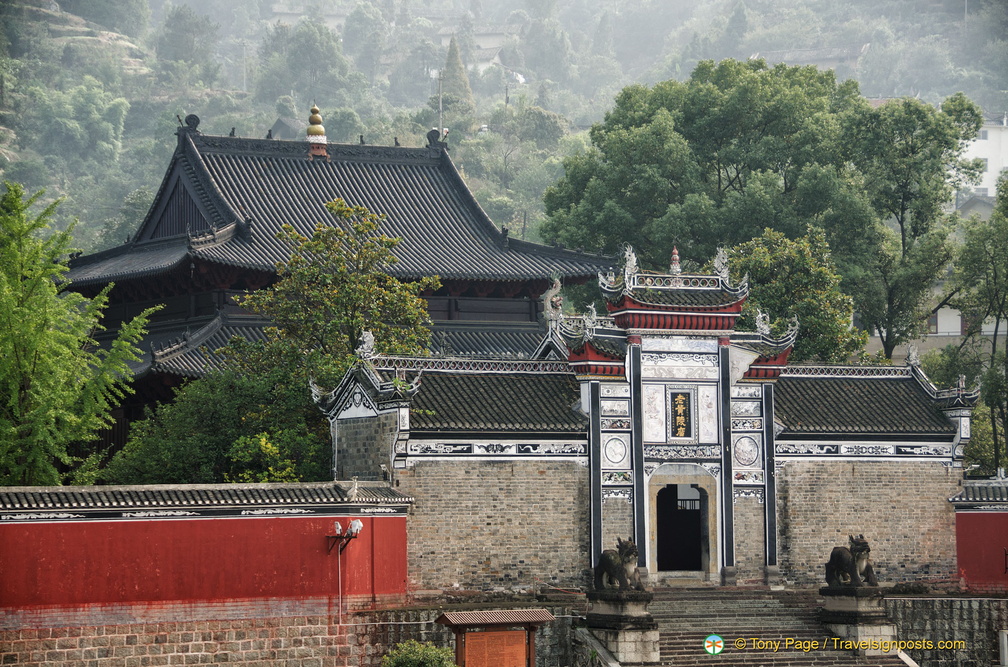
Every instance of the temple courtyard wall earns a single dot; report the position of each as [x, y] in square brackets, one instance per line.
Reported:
[901, 507]
[497, 525]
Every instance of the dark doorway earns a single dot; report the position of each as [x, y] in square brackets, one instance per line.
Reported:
[679, 510]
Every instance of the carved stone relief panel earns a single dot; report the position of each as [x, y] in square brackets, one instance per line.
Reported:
[707, 414]
[654, 413]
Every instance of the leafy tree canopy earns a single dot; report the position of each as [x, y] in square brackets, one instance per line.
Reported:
[712, 161]
[334, 287]
[797, 278]
[57, 386]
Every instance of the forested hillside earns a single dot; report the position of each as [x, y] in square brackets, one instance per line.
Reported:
[91, 90]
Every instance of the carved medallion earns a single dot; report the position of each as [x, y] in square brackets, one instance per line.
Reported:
[746, 451]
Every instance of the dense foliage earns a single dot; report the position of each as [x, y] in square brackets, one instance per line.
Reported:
[740, 147]
[57, 386]
[412, 653]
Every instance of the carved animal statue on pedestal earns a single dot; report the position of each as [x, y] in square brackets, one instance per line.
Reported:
[851, 567]
[618, 567]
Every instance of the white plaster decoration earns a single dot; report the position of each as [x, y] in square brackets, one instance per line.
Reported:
[150, 514]
[746, 409]
[804, 448]
[680, 373]
[678, 359]
[748, 492]
[41, 515]
[869, 450]
[404, 419]
[623, 493]
[654, 413]
[746, 451]
[713, 468]
[619, 424]
[680, 344]
[357, 404]
[616, 408]
[610, 390]
[751, 424]
[616, 478]
[964, 428]
[960, 451]
[274, 511]
[670, 452]
[616, 451]
[739, 361]
[707, 413]
[649, 469]
[749, 477]
[747, 391]
[494, 448]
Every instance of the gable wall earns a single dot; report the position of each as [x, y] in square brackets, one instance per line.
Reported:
[363, 444]
[901, 508]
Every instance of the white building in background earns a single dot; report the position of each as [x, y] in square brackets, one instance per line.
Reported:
[991, 146]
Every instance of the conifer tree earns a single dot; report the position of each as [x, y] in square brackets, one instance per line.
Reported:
[57, 386]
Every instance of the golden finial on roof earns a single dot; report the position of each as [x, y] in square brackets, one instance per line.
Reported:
[315, 128]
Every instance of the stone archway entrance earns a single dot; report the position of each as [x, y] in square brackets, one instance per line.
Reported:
[681, 542]
[682, 522]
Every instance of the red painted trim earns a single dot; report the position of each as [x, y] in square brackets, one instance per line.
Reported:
[69, 563]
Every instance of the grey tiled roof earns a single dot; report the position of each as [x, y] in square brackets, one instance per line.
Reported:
[858, 405]
[248, 188]
[187, 500]
[498, 402]
[982, 492]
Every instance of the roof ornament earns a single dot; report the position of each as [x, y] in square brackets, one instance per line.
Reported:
[793, 326]
[590, 319]
[192, 122]
[553, 304]
[630, 267]
[721, 264]
[762, 323]
[366, 348]
[913, 356]
[318, 145]
[675, 269]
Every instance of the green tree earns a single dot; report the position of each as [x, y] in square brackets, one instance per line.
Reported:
[364, 38]
[188, 41]
[306, 58]
[457, 98]
[981, 286]
[228, 426]
[797, 278]
[334, 287]
[57, 386]
[713, 161]
[910, 155]
[129, 17]
[412, 653]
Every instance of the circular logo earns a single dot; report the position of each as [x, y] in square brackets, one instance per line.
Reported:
[713, 644]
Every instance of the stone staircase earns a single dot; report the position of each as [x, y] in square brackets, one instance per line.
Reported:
[686, 616]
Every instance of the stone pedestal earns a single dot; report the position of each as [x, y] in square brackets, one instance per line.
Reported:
[857, 615]
[621, 621]
[729, 575]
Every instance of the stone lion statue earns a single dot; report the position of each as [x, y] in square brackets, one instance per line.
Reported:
[851, 567]
[619, 567]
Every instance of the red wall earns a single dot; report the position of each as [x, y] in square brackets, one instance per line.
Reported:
[981, 538]
[199, 559]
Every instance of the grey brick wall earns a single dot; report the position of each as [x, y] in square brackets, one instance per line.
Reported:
[972, 621]
[363, 444]
[489, 525]
[901, 508]
[750, 548]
